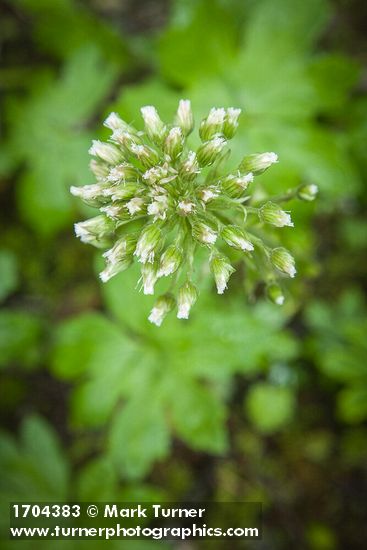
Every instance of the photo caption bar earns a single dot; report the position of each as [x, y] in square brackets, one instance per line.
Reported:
[126, 520]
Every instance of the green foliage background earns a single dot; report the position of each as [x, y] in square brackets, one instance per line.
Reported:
[246, 401]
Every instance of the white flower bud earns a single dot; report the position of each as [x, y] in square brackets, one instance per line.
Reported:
[99, 169]
[149, 277]
[126, 139]
[158, 208]
[282, 260]
[163, 305]
[122, 191]
[174, 142]
[154, 127]
[160, 174]
[93, 195]
[236, 237]
[231, 122]
[95, 231]
[271, 213]
[135, 206]
[190, 167]
[203, 233]
[105, 151]
[212, 125]
[184, 116]
[122, 172]
[119, 257]
[209, 151]
[258, 163]
[122, 248]
[155, 174]
[275, 294]
[308, 192]
[115, 211]
[170, 261]
[113, 269]
[146, 155]
[184, 208]
[222, 270]
[115, 122]
[235, 186]
[148, 244]
[186, 298]
[209, 193]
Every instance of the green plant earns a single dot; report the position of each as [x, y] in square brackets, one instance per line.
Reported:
[136, 398]
[338, 345]
[159, 200]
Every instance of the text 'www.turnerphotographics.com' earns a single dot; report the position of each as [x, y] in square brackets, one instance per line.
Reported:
[105, 521]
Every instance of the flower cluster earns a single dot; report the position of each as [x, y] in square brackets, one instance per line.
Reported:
[159, 201]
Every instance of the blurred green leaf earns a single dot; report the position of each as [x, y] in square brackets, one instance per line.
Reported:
[333, 76]
[36, 467]
[270, 21]
[357, 112]
[321, 537]
[41, 446]
[273, 74]
[62, 26]
[138, 367]
[97, 481]
[198, 416]
[270, 407]
[338, 343]
[139, 436]
[211, 31]
[352, 404]
[133, 96]
[8, 273]
[92, 344]
[125, 300]
[48, 133]
[20, 338]
[206, 345]
[86, 343]
[346, 364]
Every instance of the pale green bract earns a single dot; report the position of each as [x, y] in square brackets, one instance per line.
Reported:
[160, 201]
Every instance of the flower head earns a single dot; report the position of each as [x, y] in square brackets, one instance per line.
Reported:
[154, 127]
[273, 214]
[212, 124]
[257, 164]
[163, 305]
[160, 202]
[275, 294]
[170, 261]
[105, 151]
[186, 298]
[284, 261]
[231, 122]
[209, 151]
[148, 243]
[174, 142]
[184, 116]
[308, 192]
[222, 270]
[237, 237]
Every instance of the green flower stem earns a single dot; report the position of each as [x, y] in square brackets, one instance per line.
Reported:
[215, 220]
[288, 196]
[252, 210]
